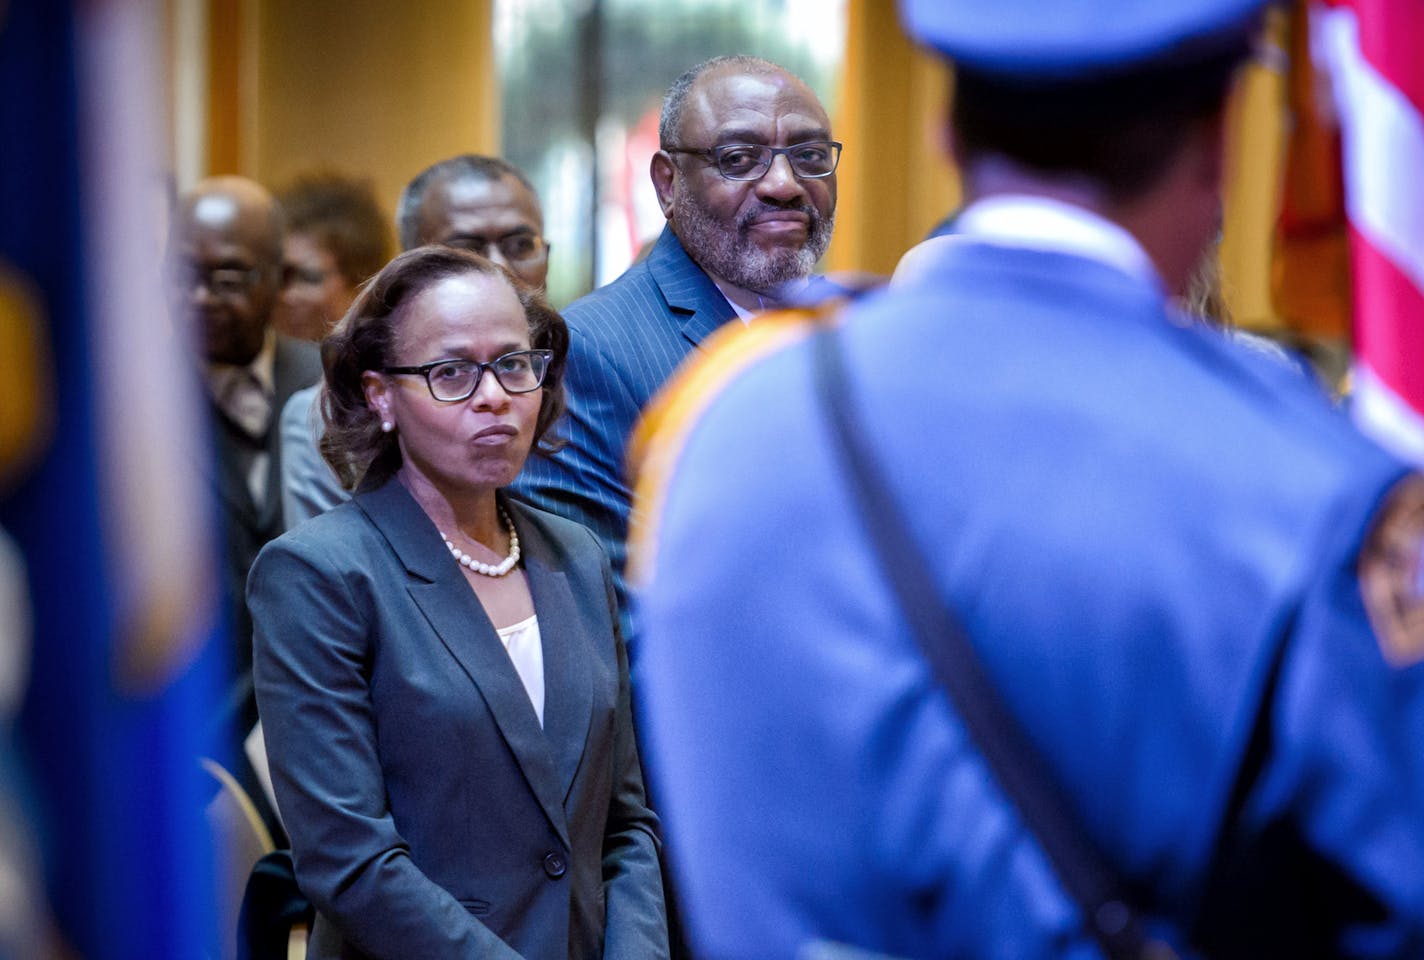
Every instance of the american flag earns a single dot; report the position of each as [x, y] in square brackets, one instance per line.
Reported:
[1371, 50]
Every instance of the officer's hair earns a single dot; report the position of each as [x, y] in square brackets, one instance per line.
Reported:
[670, 121]
[466, 166]
[1121, 130]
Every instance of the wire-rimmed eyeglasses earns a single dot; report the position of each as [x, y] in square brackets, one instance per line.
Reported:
[520, 246]
[810, 160]
[450, 381]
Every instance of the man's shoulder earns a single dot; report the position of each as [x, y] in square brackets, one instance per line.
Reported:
[631, 299]
[629, 326]
[299, 405]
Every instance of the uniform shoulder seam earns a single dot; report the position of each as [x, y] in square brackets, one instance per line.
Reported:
[675, 411]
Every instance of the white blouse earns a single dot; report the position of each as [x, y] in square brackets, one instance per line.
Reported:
[522, 643]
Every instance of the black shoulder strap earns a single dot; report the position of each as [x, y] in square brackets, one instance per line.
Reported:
[1016, 764]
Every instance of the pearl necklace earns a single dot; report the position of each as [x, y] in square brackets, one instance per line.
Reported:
[489, 570]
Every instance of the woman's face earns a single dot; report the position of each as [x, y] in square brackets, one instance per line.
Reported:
[315, 294]
[469, 446]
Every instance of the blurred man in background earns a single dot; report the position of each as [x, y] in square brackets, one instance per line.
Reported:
[227, 254]
[226, 257]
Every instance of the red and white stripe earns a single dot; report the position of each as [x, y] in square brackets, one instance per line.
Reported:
[1374, 52]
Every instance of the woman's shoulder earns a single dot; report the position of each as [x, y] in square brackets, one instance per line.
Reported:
[333, 533]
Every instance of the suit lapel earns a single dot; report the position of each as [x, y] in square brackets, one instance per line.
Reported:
[568, 651]
[226, 468]
[295, 365]
[269, 513]
[688, 290]
[453, 611]
[234, 452]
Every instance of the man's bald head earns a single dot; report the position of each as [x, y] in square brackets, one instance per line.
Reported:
[675, 100]
[238, 206]
[227, 249]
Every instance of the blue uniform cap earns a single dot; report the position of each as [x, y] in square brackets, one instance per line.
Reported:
[1053, 39]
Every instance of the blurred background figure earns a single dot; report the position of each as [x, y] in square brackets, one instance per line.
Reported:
[226, 265]
[481, 204]
[337, 238]
[1205, 300]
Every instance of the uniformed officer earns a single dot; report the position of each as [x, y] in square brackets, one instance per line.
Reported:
[1193, 585]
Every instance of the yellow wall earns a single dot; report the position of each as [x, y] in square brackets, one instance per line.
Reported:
[367, 87]
[895, 181]
[1255, 157]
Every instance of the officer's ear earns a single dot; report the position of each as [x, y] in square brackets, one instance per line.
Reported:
[1208, 137]
[945, 138]
[664, 175]
[949, 144]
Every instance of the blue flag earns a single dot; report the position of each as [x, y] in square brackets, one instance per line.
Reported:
[97, 492]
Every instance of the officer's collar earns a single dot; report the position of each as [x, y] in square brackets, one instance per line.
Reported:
[1040, 223]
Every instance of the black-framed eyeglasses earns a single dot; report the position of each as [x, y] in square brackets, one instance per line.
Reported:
[518, 247]
[304, 276]
[219, 281]
[450, 381]
[810, 160]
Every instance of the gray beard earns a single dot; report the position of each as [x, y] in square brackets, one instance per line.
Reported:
[735, 257]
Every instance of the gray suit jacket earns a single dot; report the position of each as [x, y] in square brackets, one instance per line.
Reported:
[246, 525]
[430, 814]
[308, 485]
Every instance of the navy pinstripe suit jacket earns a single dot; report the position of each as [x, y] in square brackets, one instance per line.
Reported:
[625, 340]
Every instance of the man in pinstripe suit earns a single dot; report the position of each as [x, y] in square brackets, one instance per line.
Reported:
[746, 178]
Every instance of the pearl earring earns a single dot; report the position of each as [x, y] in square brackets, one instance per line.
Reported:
[387, 426]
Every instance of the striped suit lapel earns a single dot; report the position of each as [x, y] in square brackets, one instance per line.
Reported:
[688, 290]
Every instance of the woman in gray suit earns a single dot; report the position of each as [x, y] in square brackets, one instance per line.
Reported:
[438, 668]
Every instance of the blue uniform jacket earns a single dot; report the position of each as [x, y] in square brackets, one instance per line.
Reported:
[1150, 535]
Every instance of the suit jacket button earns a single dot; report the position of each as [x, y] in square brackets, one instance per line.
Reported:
[554, 865]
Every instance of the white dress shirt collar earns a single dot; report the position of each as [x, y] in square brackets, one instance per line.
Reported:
[243, 392]
[788, 295]
[1038, 223]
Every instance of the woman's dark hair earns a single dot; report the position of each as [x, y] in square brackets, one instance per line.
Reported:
[343, 216]
[353, 443]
